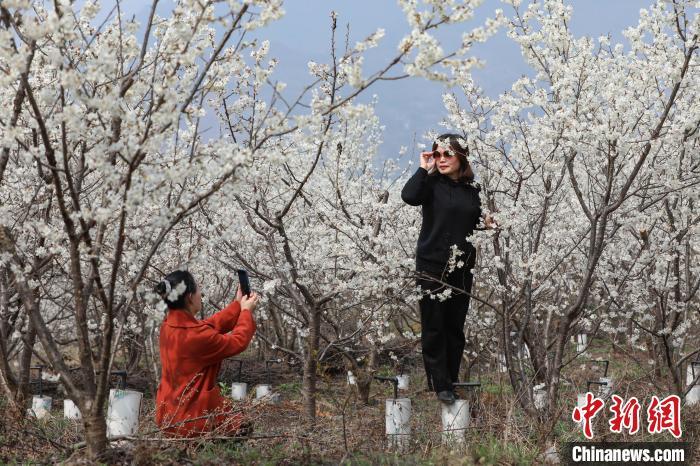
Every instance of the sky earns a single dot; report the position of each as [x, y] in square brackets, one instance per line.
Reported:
[407, 108]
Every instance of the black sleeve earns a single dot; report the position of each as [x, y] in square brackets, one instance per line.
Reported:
[417, 189]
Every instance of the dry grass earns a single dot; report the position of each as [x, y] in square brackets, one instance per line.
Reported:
[351, 433]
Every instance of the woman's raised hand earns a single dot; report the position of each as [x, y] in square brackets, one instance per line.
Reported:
[250, 302]
[426, 160]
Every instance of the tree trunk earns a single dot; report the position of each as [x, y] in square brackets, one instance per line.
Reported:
[364, 383]
[310, 364]
[95, 436]
[22, 389]
[366, 375]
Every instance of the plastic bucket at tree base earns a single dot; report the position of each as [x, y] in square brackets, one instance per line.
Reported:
[606, 387]
[41, 406]
[455, 421]
[123, 412]
[70, 410]
[239, 390]
[502, 366]
[264, 391]
[580, 403]
[581, 342]
[398, 423]
[403, 381]
[693, 395]
[551, 455]
[539, 395]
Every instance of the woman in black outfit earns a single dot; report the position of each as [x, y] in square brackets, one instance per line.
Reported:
[444, 188]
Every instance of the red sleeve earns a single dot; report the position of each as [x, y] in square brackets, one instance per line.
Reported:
[224, 320]
[213, 347]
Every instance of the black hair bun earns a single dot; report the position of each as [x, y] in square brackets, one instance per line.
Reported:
[173, 281]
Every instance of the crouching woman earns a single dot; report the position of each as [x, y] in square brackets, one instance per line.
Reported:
[189, 402]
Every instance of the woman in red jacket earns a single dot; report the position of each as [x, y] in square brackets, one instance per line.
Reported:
[189, 402]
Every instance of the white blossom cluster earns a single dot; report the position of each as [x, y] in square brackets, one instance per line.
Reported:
[111, 176]
[590, 168]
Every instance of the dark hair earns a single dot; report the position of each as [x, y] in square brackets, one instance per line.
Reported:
[466, 174]
[170, 282]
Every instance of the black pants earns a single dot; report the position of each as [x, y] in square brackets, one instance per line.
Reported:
[442, 333]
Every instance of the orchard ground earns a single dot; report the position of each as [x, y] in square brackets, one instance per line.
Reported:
[350, 432]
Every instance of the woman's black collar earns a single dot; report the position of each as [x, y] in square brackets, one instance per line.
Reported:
[468, 184]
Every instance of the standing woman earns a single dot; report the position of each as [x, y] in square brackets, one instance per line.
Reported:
[189, 402]
[444, 187]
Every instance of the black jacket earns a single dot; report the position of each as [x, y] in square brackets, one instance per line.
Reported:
[451, 211]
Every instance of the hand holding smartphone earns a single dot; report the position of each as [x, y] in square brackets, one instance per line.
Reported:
[250, 302]
[244, 282]
[247, 298]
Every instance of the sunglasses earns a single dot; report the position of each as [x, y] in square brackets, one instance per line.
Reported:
[447, 154]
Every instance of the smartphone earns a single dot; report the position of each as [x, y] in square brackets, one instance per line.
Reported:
[244, 282]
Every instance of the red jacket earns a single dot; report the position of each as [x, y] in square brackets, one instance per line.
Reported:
[189, 402]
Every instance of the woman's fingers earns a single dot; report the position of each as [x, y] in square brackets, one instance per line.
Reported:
[426, 160]
[250, 301]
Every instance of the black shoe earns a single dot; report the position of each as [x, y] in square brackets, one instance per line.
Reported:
[446, 396]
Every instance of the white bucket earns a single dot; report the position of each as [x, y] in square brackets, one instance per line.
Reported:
[265, 391]
[41, 406]
[539, 396]
[352, 380]
[690, 375]
[605, 391]
[580, 403]
[398, 423]
[502, 367]
[551, 455]
[581, 342]
[403, 381]
[239, 390]
[123, 412]
[693, 396]
[70, 410]
[262, 390]
[455, 421]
